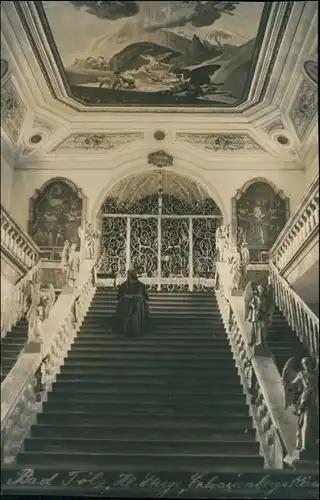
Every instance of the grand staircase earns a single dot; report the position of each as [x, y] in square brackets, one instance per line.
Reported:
[12, 345]
[162, 415]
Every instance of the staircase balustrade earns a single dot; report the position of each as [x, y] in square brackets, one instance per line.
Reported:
[16, 242]
[299, 316]
[26, 386]
[13, 306]
[271, 446]
[300, 228]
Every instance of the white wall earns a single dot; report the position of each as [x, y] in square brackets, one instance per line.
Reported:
[311, 171]
[96, 179]
[7, 175]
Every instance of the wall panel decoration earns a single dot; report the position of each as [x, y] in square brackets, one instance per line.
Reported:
[260, 211]
[57, 210]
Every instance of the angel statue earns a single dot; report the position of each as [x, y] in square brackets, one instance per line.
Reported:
[302, 390]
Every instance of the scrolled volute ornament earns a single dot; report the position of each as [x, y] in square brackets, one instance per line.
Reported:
[301, 390]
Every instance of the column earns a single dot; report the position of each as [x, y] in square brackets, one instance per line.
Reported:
[190, 254]
[128, 241]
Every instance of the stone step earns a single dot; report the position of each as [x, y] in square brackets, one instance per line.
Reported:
[124, 461]
[193, 364]
[111, 405]
[156, 383]
[129, 371]
[211, 342]
[215, 356]
[57, 415]
[133, 446]
[172, 431]
[209, 350]
[153, 395]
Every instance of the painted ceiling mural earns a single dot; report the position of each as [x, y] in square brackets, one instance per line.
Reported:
[156, 53]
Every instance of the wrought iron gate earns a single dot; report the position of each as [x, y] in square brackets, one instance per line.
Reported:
[172, 244]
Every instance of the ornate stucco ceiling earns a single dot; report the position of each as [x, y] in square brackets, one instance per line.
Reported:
[218, 79]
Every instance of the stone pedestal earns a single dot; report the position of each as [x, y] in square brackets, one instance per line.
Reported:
[33, 347]
[261, 350]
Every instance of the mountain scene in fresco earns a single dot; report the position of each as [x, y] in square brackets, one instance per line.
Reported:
[159, 53]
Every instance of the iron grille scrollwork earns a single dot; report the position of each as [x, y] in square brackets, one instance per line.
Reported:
[203, 231]
[175, 247]
[114, 235]
[144, 246]
[147, 205]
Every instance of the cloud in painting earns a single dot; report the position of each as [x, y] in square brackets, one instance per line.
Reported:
[203, 14]
[111, 10]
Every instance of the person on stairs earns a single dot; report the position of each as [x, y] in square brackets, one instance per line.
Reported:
[132, 313]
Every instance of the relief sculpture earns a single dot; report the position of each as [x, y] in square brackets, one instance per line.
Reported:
[260, 212]
[55, 214]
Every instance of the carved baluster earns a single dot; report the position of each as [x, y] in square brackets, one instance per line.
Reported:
[315, 208]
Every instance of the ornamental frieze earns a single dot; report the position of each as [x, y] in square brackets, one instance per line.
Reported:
[305, 107]
[221, 143]
[273, 125]
[13, 110]
[99, 142]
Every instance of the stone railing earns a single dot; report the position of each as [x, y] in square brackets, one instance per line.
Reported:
[300, 228]
[16, 242]
[274, 447]
[299, 316]
[26, 385]
[14, 306]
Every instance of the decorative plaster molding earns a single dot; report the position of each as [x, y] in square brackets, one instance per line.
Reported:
[304, 108]
[99, 142]
[40, 123]
[273, 125]
[311, 70]
[4, 68]
[13, 110]
[160, 159]
[222, 143]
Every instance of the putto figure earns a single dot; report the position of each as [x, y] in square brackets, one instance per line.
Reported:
[302, 391]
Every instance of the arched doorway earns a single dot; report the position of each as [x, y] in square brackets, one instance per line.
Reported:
[164, 224]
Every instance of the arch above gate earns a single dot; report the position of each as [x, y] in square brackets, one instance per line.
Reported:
[180, 196]
[163, 224]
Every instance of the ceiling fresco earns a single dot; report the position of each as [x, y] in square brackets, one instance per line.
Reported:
[155, 53]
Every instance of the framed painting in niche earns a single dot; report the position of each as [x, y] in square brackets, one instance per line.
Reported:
[56, 211]
[260, 211]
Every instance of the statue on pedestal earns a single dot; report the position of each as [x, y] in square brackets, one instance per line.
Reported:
[302, 391]
[65, 253]
[245, 257]
[258, 317]
[236, 269]
[220, 242]
[35, 314]
[73, 267]
[49, 298]
[89, 242]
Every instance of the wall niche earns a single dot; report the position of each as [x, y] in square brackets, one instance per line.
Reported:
[57, 210]
[259, 212]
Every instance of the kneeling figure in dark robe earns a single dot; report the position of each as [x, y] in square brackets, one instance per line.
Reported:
[132, 314]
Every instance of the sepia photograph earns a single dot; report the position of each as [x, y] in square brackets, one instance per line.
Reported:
[159, 249]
